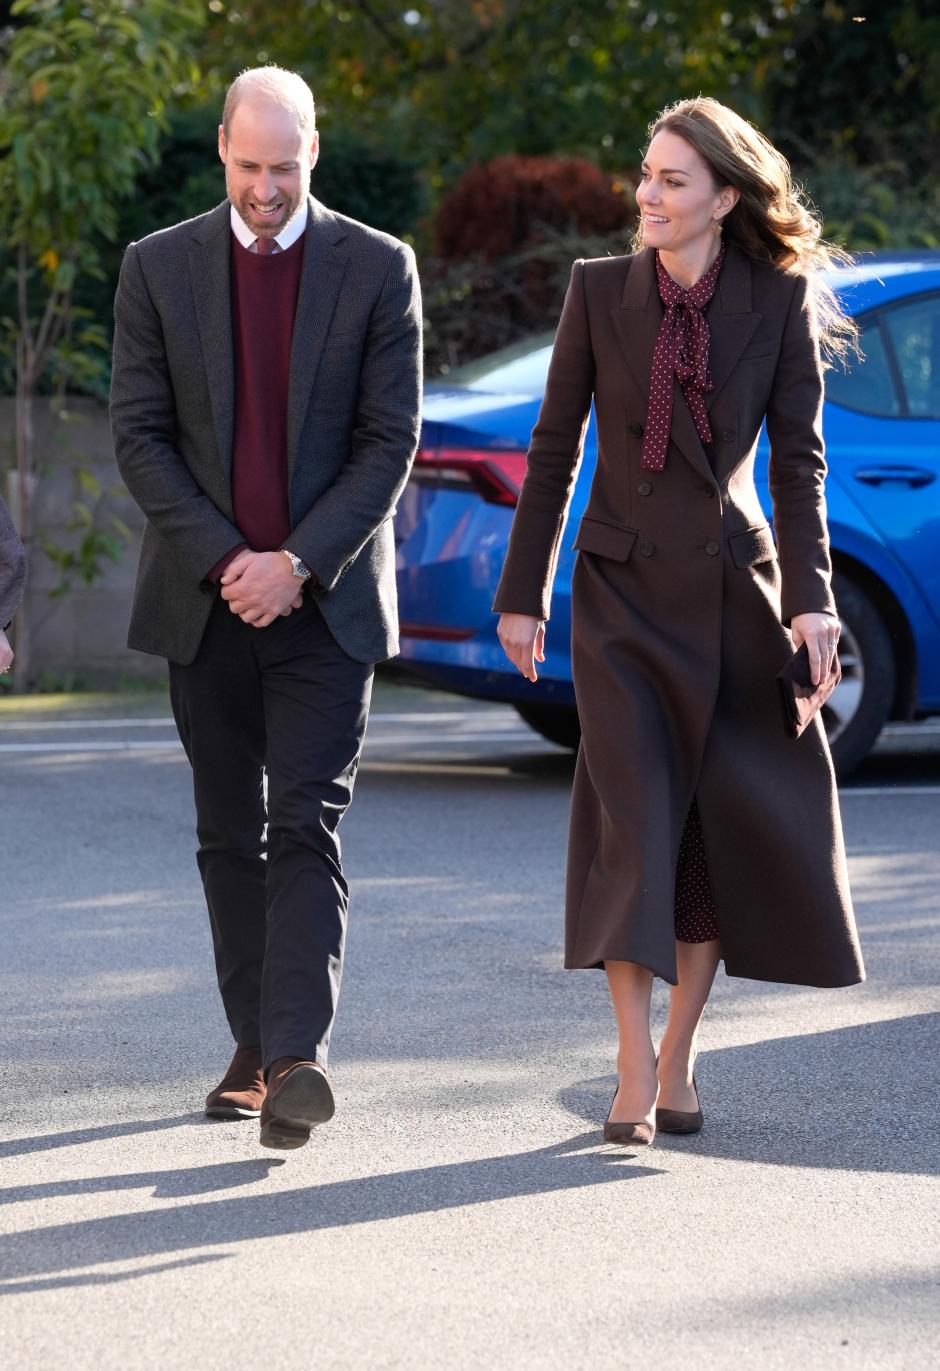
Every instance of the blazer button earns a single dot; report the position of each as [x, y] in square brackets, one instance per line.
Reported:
[728, 435]
[647, 549]
[644, 488]
[712, 548]
[708, 492]
[636, 430]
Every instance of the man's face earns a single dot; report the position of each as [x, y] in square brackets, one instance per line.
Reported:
[268, 162]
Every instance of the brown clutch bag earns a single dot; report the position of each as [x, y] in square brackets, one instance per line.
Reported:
[799, 698]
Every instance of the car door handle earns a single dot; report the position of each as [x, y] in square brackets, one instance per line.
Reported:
[909, 476]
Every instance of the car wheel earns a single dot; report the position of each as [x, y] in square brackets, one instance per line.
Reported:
[555, 722]
[860, 706]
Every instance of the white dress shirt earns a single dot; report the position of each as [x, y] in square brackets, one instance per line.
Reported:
[283, 240]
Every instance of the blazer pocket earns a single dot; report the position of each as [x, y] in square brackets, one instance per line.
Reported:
[751, 546]
[605, 540]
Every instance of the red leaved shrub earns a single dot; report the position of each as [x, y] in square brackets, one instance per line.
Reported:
[507, 204]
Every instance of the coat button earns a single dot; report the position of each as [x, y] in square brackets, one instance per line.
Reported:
[712, 548]
[647, 549]
[636, 430]
[708, 492]
[728, 435]
[645, 488]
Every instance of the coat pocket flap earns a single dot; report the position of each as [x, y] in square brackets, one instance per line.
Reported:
[605, 540]
[752, 546]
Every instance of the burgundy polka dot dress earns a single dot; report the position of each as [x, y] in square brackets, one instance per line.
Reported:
[682, 352]
[696, 919]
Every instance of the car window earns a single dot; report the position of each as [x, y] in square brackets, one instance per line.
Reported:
[914, 330]
[865, 384]
[515, 370]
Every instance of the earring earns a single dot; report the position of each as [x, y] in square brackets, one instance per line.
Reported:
[716, 225]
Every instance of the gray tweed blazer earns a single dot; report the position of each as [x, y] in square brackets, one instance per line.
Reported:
[12, 567]
[353, 421]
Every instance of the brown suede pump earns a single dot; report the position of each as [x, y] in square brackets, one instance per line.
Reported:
[680, 1120]
[628, 1134]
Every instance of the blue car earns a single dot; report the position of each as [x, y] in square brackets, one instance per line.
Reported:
[882, 430]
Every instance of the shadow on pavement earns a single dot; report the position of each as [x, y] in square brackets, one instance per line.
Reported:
[47, 1142]
[858, 1099]
[167, 1185]
[128, 1237]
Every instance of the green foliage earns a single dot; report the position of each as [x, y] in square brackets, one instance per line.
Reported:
[453, 83]
[84, 93]
[85, 88]
[859, 83]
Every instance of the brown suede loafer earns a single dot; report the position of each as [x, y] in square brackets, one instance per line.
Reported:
[241, 1091]
[299, 1097]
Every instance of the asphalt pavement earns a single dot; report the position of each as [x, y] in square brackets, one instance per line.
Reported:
[461, 1210]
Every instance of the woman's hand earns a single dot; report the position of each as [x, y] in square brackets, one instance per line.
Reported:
[820, 633]
[6, 653]
[523, 641]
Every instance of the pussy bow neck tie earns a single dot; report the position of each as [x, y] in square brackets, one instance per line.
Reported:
[681, 351]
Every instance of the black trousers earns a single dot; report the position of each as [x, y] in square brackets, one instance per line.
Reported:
[287, 705]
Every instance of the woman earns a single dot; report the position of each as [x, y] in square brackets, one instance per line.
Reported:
[699, 829]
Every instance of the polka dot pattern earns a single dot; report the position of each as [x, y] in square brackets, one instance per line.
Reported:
[695, 914]
[681, 351]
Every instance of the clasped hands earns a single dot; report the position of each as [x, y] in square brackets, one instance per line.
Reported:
[260, 587]
[523, 640]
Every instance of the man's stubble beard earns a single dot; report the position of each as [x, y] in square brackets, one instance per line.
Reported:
[268, 227]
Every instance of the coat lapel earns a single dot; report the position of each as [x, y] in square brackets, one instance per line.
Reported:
[637, 319]
[209, 260]
[324, 267]
[730, 321]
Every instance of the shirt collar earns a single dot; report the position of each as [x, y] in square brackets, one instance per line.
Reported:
[285, 239]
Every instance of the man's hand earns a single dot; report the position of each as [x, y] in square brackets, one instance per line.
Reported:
[820, 633]
[260, 586]
[6, 653]
[523, 641]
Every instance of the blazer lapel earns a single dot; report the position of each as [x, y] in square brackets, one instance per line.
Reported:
[637, 319]
[324, 267]
[731, 323]
[209, 260]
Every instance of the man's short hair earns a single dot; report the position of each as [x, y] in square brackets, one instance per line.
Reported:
[284, 88]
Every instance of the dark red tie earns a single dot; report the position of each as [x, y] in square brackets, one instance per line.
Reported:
[265, 246]
[681, 352]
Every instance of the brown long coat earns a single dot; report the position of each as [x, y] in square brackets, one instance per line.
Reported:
[678, 610]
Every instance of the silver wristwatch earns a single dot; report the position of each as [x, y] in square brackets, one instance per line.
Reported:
[301, 571]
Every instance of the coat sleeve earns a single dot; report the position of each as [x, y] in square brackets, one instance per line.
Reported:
[798, 464]
[554, 457]
[12, 568]
[143, 425]
[385, 433]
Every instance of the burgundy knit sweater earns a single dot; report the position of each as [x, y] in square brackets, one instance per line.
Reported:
[264, 301]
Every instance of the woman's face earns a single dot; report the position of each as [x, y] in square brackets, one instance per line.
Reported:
[678, 201]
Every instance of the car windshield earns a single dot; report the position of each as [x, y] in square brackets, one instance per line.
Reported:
[518, 369]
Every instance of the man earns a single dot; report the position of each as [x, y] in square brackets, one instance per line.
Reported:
[265, 409]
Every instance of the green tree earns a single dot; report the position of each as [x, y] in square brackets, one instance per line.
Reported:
[83, 93]
[452, 82]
